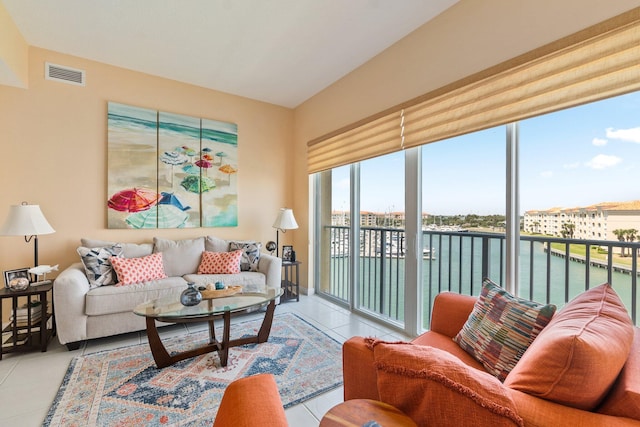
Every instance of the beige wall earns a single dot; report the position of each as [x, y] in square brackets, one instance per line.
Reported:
[53, 139]
[14, 65]
[469, 37]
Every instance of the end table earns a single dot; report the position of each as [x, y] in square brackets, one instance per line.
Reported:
[291, 280]
[365, 412]
[28, 334]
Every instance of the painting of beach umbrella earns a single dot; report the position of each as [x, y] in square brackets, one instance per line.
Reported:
[229, 170]
[172, 199]
[133, 200]
[159, 216]
[198, 184]
[173, 158]
[221, 154]
[204, 164]
[188, 151]
[191, 169]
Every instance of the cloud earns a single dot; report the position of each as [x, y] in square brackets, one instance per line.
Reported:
[574, 165]
[599, 142]
[631, 135]
[603, 161]
[546, 174]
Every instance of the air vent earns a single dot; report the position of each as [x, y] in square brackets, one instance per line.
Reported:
[63, 74]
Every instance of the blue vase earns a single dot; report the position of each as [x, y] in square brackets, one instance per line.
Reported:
[191, 295]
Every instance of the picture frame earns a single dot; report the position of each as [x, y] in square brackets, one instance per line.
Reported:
[9, 275]
[287, 251]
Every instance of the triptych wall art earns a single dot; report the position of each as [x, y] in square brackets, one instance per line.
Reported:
[170, 171]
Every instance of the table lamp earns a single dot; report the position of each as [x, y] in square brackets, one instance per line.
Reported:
[28, 221]
[285, 221]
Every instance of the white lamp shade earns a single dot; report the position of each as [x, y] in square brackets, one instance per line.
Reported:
[26, 220]
[285, 220]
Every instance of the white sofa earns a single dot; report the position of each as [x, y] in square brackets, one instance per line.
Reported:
[83, 312]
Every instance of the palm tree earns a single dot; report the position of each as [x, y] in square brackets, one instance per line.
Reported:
[631, 234]
[536, 226]
[620, 234]
[568, 228]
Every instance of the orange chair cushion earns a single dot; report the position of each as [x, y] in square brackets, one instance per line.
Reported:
[624, 398]
[251, 401]
[434, 388]
[577, 357]
[501, 327]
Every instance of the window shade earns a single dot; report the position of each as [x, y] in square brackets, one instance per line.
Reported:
[596, 67]
[596, 63]
[374, 138]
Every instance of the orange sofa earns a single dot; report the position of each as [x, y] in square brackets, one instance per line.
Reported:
[436, 382]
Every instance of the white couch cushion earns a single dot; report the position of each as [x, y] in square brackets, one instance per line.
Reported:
[180, 257]
[214, 244]
[118, 299]
[129, 250]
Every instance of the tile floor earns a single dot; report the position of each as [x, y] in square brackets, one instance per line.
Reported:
[29, 381]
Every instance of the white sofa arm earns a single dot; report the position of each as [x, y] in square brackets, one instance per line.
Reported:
[69, 291]
[271, 267]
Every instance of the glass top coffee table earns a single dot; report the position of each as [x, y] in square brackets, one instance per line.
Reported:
[170, 310]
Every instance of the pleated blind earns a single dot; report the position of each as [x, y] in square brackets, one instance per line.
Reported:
[374, 138]
[595, 63]
[595, 67]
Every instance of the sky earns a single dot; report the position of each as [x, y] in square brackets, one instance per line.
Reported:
[575, 157]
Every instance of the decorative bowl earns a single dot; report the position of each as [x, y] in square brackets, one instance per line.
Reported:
[18, 284]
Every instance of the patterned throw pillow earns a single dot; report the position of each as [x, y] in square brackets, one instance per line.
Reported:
[138, 270]
[220, 262]
[501, 327]
[97, 265]
[251, 254]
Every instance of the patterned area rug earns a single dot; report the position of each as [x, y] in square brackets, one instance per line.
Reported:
[123, 387]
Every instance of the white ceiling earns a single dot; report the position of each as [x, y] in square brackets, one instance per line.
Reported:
[277, 51]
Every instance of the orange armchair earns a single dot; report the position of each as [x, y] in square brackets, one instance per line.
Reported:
[251, 401]
[435, 382]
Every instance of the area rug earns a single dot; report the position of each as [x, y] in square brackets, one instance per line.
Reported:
[123, 387]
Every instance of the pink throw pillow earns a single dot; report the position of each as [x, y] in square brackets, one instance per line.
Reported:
[220, 262]
[138, 270]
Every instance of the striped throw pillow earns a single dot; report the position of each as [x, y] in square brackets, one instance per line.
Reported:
[501, 327]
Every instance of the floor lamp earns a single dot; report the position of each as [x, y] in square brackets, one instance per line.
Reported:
[285, 221]
[28, 221]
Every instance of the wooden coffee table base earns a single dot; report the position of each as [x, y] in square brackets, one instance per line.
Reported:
[164, 359]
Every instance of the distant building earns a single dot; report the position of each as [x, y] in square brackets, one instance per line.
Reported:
[595, 222]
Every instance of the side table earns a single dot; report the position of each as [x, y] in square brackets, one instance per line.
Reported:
[29, 334]
[291, 280]
[365, 412]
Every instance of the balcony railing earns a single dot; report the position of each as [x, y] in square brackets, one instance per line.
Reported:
[552, 270]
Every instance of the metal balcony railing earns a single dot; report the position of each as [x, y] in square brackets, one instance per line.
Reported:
[552, 270]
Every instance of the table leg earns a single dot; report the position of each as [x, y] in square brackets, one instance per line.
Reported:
[43, 322]
[265, 328]
[226, 334]
[159, 352]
